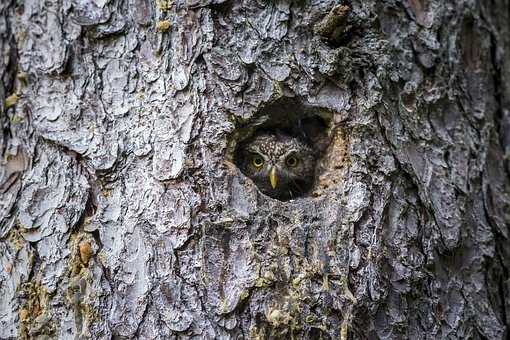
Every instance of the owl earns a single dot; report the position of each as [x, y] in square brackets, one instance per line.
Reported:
[282, 166]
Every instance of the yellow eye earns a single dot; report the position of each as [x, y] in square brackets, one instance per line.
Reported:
[257, 161]
[292, 161]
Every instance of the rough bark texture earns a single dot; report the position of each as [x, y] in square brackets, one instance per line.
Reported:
[123, 215]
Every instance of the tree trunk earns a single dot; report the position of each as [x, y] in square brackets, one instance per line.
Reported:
[123, 214]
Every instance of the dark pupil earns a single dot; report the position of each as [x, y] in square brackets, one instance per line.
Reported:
[291, 161]
[257, 161]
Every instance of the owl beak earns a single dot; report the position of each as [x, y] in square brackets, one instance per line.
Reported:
[273, 178]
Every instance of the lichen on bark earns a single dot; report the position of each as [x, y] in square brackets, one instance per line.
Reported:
[122, 213]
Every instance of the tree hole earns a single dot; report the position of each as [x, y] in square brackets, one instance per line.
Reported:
[290, 149]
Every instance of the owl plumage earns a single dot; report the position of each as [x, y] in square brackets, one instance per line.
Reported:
[282, 166]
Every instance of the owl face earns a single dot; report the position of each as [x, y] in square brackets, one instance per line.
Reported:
[281, 166]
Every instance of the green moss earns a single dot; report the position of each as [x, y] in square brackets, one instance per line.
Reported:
[164, 5]
[35, 320]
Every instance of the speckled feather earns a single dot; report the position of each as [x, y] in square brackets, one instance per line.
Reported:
[275, 148]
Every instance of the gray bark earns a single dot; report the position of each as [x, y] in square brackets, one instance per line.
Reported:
[123, 214]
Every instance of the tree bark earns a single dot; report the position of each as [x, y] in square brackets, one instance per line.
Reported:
[123, 214]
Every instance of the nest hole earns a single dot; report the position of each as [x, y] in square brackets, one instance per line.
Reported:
[307, 150]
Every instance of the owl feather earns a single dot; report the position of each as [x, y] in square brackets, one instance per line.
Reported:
[281, 165]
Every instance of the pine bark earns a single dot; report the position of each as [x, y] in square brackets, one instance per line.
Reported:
[123, 214]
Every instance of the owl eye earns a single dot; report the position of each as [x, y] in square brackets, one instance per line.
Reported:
[257, 161]
[292, 161]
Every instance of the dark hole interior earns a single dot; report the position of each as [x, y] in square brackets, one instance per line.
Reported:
[290, 137]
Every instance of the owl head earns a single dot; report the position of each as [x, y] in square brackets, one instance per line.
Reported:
[282, 166]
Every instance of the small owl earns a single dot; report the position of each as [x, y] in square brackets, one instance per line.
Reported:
[282, 166]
